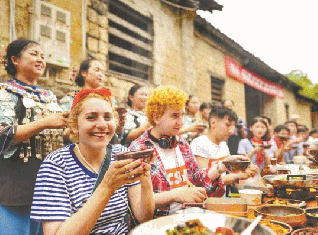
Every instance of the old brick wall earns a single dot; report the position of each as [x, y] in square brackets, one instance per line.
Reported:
[304, 112]
[23, 29]
[209, 61]
[4, 32]
[173, 58]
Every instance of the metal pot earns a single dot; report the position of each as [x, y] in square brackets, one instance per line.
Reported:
[292, 181]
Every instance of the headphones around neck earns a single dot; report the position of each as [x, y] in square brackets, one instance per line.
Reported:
[165, 141]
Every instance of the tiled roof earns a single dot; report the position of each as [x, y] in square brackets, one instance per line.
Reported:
[205, 5]
[210, 5]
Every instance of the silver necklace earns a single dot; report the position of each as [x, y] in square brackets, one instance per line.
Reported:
[84, 159]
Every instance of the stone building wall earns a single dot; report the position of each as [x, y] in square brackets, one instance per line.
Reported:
[23, 17]
[173, 58]
[304, 112]
[209, 61]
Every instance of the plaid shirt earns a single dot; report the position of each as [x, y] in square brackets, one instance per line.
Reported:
[197, 176]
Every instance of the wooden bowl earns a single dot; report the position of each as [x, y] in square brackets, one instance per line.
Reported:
[312, 219]
[236, 165]
[284, 225]
[313, 152]
[146, 154]
[304, 231]
[287, 214]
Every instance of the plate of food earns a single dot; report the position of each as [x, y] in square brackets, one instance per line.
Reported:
[202, 224]
[287, 202]
[279, 228]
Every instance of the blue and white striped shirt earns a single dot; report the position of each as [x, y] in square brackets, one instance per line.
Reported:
[63, 186]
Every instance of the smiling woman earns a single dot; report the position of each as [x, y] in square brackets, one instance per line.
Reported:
[31, 112]
[65, 198]
[91, 75]
[135, 120]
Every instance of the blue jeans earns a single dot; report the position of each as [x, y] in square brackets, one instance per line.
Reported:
[15, 220]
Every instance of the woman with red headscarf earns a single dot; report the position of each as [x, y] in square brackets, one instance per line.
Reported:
[68, 199]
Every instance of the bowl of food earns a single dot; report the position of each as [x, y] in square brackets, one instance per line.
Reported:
[312, 216]
[209, 224]
[279, 228]
[236, 165]
[305, 231]
[287, 214]
[266, 146]
[287, 202]
[313, 154]
[146, 154]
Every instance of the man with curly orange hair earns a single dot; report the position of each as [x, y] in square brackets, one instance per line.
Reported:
[176, 176]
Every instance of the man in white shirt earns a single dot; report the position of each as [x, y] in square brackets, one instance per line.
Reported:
[210, 148]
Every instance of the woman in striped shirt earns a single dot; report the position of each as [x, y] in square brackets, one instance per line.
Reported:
[64, 199]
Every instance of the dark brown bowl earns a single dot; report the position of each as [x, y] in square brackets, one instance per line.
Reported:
[287, 214]
[267, 146]
[314, 153]
[303, 231]
[283, 137]
[236, 165]
[146, 154]
[312, 216]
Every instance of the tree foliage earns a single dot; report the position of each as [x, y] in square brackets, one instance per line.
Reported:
[309, 89]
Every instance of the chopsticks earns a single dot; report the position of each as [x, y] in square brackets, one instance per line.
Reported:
[188, 182]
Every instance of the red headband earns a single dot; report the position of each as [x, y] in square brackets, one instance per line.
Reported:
[83, 93]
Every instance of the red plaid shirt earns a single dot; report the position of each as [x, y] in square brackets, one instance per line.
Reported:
[197, 176]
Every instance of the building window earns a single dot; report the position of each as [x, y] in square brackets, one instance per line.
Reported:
[287, 111]
[217, 90]
[52, 28]
[130, 41]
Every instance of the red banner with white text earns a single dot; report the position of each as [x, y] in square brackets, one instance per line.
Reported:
[235, 70]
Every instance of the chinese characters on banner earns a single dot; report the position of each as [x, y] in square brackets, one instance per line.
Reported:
[235, 70]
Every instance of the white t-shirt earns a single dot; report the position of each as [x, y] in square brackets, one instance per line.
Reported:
[175, 167]
[204, 147]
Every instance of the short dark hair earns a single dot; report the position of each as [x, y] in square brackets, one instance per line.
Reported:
[313, 131]
[205, 105]
[279, 128]
[132, 91]
[15, 48]
[85, 65]
[302, 129]
[189, 99]
[291, 121]
[266, 137]
[267, 118]
[220, 111]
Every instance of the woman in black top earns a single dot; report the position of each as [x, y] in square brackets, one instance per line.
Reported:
[33, 118]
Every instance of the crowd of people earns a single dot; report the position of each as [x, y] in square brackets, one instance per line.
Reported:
[58, 172]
